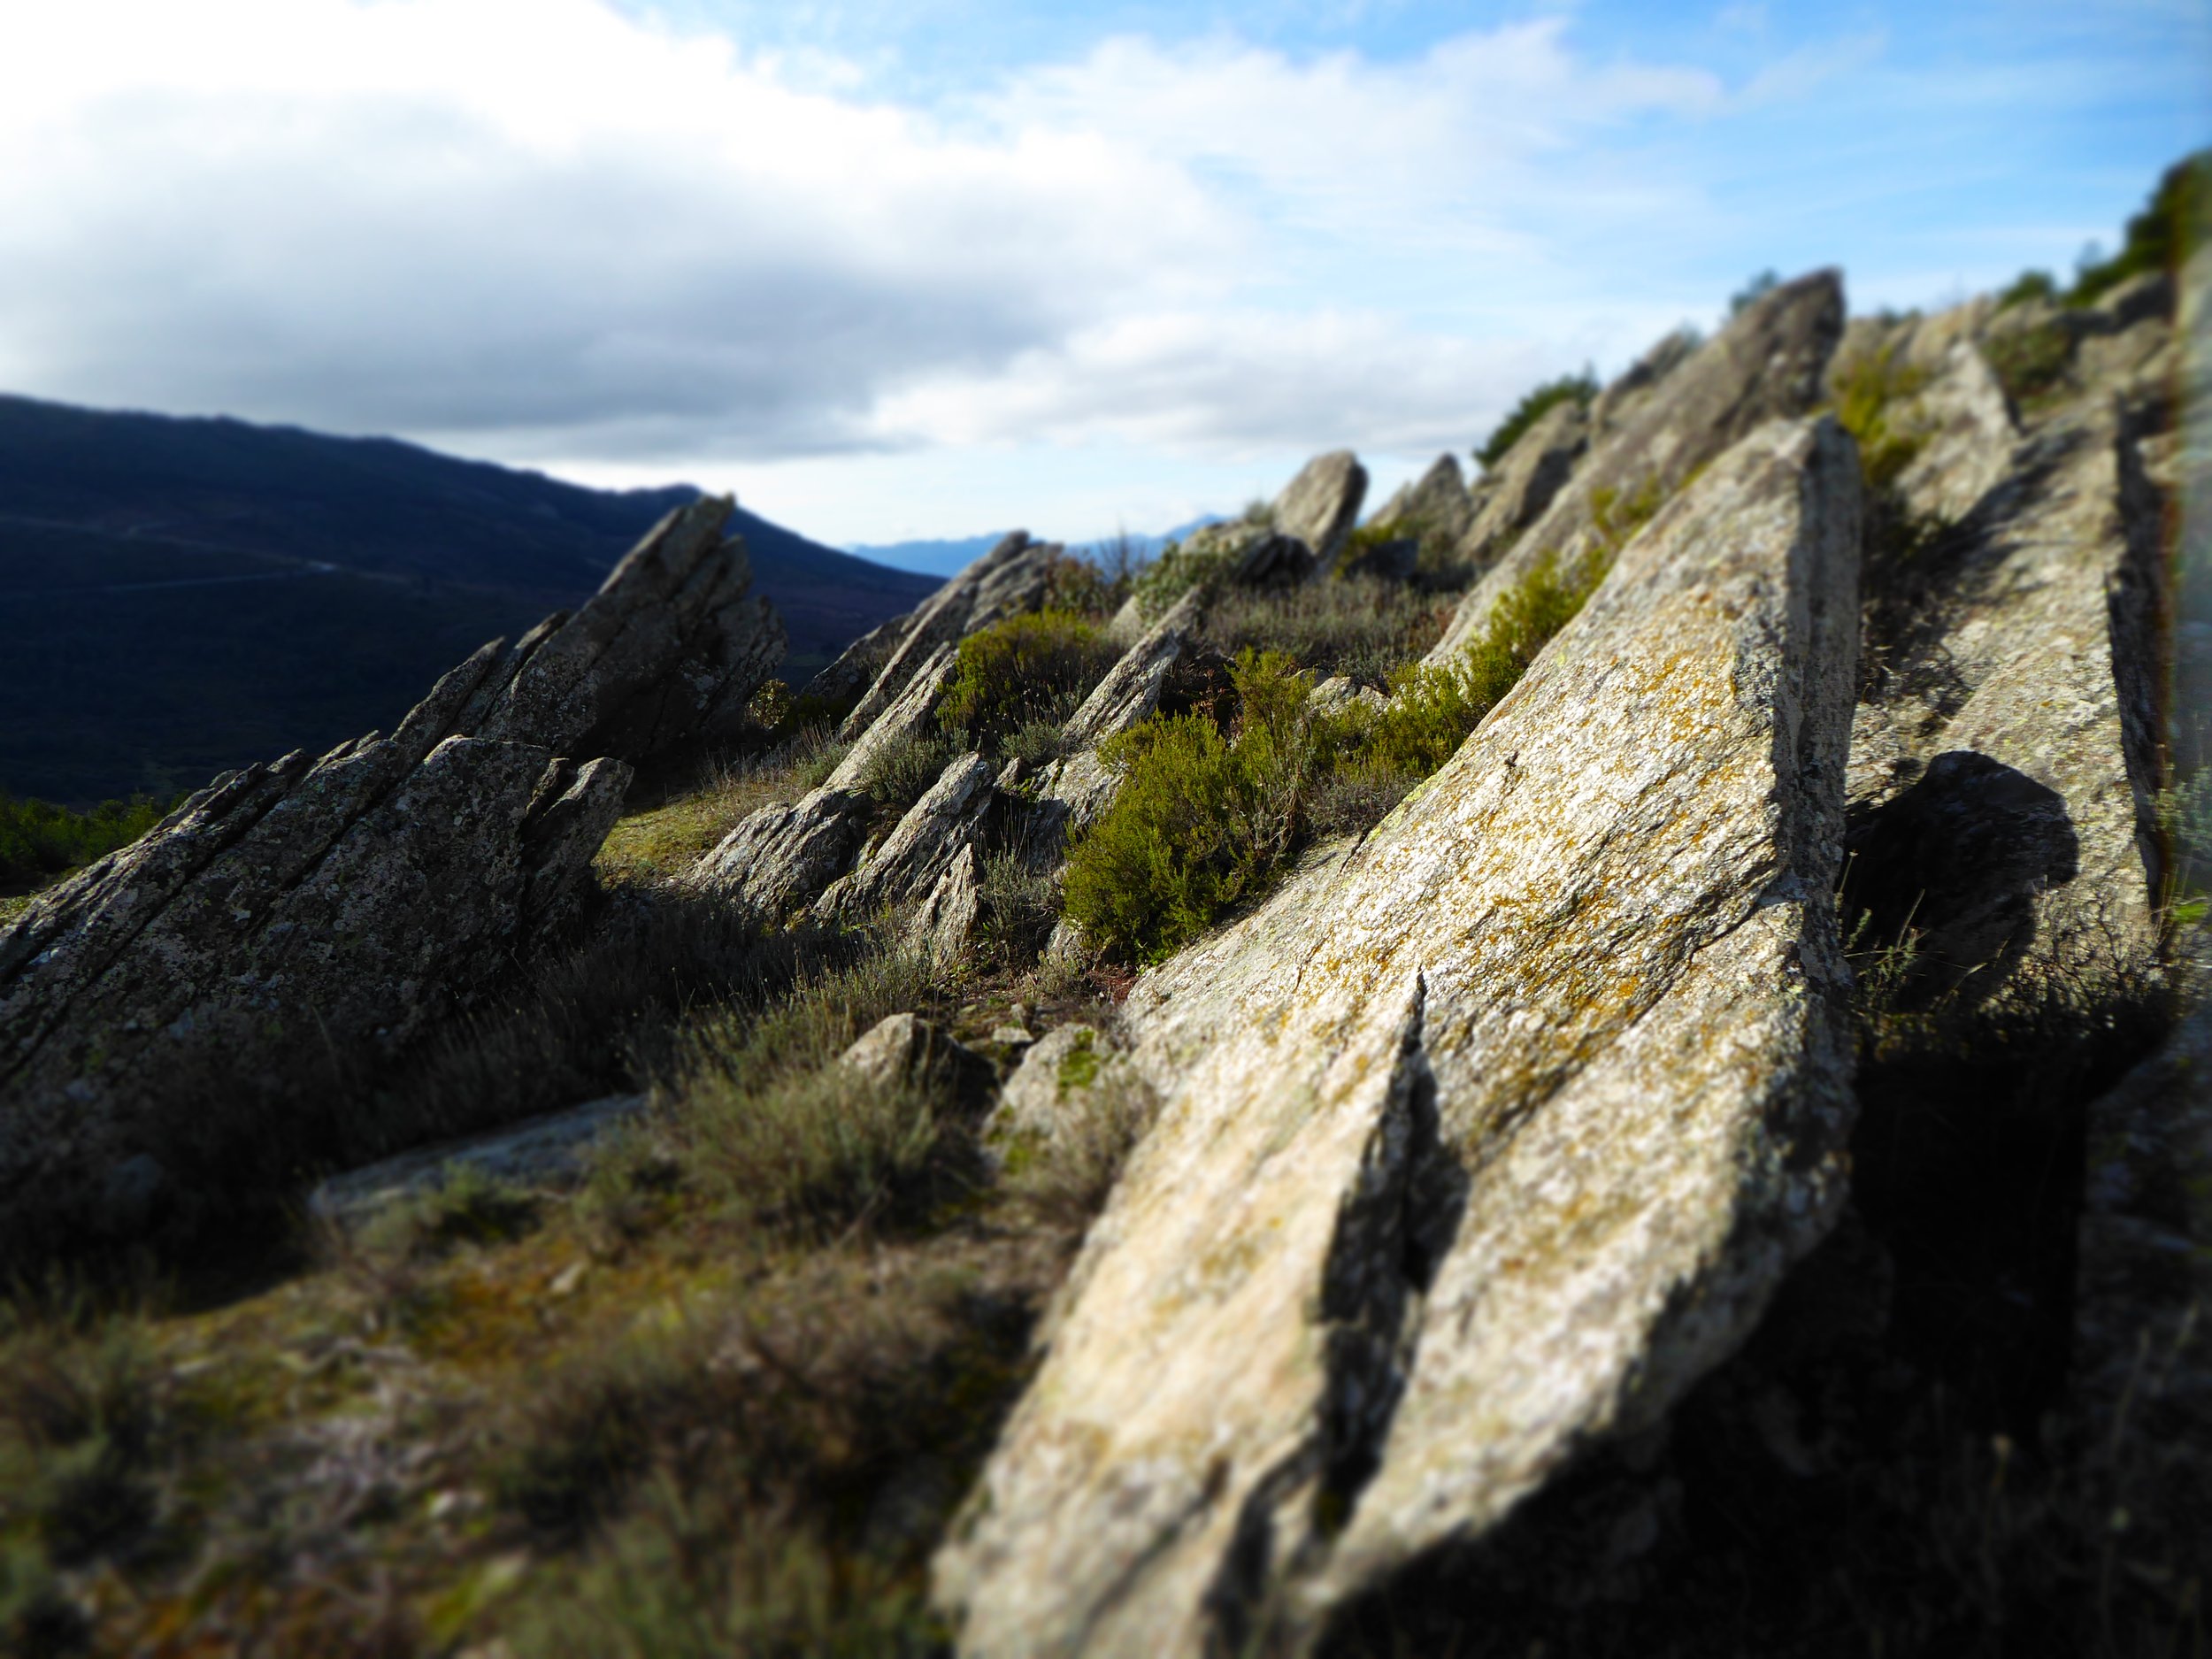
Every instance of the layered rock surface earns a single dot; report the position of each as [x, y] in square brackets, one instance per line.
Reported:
[1478, 1143]
[1532, 473]
[1767, 363]
[1012, 578]
[156, 1008]
[2006, 749]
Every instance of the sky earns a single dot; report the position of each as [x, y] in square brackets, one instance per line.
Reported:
[938, 267]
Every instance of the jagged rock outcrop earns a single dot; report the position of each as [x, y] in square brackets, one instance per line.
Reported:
[2006, 747]
[1014, 577]
[946, 920]
[1768, 363]
[1611, 409]
[909, 863]
[1530, 473]
[663, 657]
[1478, 1143]
[1435, 507]
[782, 857]
[1320, 505]
[1074, 791]
[156, 1008]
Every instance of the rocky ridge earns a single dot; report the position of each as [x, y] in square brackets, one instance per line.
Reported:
[1482, 1146]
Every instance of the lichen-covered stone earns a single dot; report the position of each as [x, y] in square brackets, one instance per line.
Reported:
[1478, 1143]
[1065, 1060]
[1768, 363]
[2010, 692]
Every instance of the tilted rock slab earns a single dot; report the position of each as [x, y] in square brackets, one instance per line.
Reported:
[1320, 505]
[149, 1007]
[907, 862]
[1529, 476]
[1437, 505]
[1012, 578]
[663, 657]
[781, 858]
[1478, 1143]
[2005, 752]
[1767, 363]
[1611, 409]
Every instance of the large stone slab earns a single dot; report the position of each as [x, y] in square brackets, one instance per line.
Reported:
[2006, 747]
[665, 656]
[1768, 363]
[1479, 1142]
[1320, 505]
[156, 1010]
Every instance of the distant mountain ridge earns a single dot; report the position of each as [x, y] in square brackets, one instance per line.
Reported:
[180, 595]
[949, 556]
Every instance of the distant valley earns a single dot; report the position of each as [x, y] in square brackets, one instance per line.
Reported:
[181, 596]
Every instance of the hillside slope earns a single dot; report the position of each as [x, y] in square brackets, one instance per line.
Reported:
[180, 597]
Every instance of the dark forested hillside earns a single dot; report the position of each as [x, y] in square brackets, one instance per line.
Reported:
[178, 596]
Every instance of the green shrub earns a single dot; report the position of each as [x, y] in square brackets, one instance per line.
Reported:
[1024, 669]
[2029, 285]
[1434, 706]
[1199, 823]
[1532, 408]
[38, 842]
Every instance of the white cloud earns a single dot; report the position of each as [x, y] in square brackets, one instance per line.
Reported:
[505, 217]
